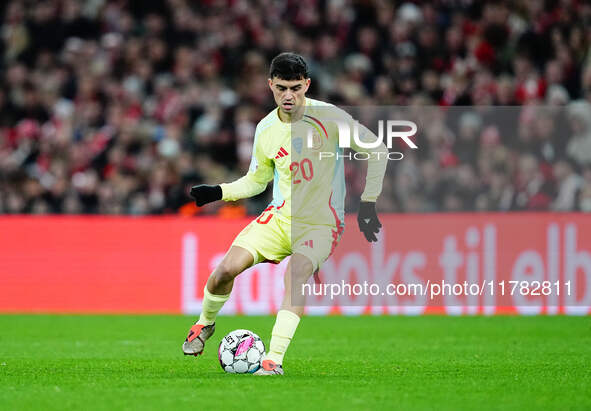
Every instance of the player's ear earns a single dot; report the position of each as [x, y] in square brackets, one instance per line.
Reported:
[270, 84]
[307, 85]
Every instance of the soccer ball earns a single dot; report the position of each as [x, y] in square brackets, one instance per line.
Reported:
[241, 352]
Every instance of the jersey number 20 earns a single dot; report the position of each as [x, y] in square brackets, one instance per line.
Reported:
[306, 169]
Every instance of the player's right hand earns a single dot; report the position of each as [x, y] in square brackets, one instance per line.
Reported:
[204, 194]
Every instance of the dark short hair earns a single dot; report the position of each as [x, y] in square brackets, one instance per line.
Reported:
[289, 66]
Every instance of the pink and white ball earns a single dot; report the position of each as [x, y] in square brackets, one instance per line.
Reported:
[241, 352]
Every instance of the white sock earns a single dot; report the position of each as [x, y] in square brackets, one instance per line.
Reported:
[212, 304]
[283, 331]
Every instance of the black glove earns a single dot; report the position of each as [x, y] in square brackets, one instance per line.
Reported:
[368, 221]
[204, 194]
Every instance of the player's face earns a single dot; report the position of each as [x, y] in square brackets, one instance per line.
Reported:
[289, 94]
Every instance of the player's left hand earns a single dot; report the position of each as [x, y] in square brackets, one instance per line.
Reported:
[369, 224]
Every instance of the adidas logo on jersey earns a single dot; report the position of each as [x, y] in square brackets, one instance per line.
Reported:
[308, 243]
[281, 153]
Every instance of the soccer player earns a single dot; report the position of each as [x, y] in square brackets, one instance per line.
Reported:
[305, 220]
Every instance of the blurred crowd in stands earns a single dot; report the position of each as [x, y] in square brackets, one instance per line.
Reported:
[118, 106]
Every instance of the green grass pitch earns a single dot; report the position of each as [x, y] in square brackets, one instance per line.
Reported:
[407, 363]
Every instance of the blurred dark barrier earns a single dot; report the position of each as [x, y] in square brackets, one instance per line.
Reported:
[531, 263]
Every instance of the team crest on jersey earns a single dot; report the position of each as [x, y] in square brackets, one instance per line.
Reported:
[317, 141]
